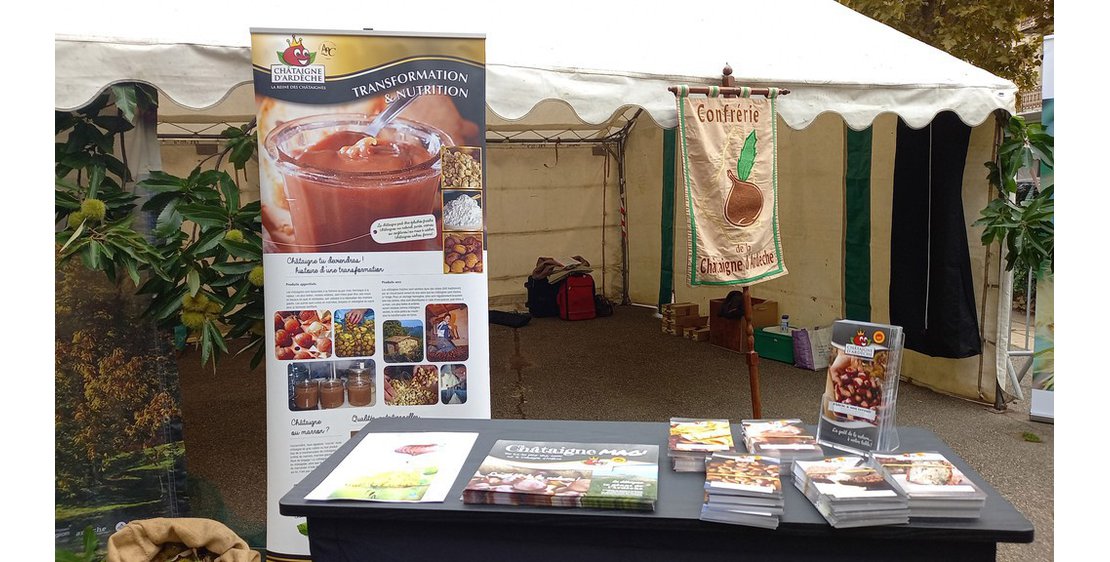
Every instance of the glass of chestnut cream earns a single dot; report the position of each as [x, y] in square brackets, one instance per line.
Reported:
[339, 179]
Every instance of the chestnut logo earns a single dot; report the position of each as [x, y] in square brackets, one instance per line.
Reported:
[295, 54]
[745, 200]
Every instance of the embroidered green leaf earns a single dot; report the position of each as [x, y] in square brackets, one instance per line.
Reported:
[747, 158]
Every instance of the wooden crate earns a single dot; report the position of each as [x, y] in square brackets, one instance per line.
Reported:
[698, 334]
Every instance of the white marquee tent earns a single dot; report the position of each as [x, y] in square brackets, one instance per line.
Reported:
[562, 75]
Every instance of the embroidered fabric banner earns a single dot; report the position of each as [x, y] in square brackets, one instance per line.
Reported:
[729, 167]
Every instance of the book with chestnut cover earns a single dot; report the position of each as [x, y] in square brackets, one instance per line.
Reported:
[861, 388]
[557, 474]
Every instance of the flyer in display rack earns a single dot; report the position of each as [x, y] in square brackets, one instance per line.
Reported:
[372, 181]
[861, 389]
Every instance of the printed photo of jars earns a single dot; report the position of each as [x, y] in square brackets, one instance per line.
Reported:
[403, 341]
[304, 384]
[462, 166]
[359, 375]
[411, 385]
[448, 332]
[452, 384]
[302, 334]
[325, 385]
[354, 332]
[462, 210]
[462, 252]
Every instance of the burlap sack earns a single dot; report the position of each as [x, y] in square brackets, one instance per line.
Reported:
[143, 540]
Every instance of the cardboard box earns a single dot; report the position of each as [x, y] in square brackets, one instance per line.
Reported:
[765, 313]
[729, 332]
[679, 309]
[698, 334]
[691, 321]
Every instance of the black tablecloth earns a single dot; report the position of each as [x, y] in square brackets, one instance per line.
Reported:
[352, 530]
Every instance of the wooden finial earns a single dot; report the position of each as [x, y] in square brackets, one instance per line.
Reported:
[727, 71]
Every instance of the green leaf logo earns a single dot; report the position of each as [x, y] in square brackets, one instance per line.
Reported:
[747, 158]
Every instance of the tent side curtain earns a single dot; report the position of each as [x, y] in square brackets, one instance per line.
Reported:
[931, 291]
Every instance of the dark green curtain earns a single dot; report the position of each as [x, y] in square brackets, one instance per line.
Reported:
[666, 258]
[857, 225]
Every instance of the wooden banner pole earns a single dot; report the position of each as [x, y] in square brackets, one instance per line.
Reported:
[729, 81]
[728, 89]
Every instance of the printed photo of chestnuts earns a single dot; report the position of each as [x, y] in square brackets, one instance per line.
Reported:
[354, 332]
[461, 166]
[462, 253]
[303, 334]
[411, 385]
[856, 382]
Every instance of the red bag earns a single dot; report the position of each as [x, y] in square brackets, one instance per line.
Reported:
[576, 298]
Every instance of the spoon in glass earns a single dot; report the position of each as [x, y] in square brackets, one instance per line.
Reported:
[361, 149]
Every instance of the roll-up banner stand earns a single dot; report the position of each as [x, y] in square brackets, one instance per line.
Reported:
[372, 170]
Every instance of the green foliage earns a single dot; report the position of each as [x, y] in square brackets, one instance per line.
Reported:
[204, 239]
[87, 554]
[393, 328]
[1026, 225]
[1023, 144]
[986, 33]
[1031, 437]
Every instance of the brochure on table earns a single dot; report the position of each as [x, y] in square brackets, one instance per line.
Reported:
[398, 467]
[927, 475]
[371, 170]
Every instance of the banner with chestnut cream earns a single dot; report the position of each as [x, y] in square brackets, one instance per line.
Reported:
[372, 188]
[729, 167]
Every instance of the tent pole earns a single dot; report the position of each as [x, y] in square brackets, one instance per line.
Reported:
[622, 143]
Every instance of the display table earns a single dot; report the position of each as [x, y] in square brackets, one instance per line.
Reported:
[353, 530]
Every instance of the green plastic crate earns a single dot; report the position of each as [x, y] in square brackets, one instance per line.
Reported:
[772, 343]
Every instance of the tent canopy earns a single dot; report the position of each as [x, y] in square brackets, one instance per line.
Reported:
[598, 59]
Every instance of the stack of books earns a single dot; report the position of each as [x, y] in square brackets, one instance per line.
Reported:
[743, 489]
[934, 486]
[850, 493]
[691, 440]
[785, 439]
[557, 474]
